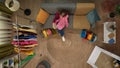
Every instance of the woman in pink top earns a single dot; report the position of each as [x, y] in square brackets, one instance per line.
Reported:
[60, 22]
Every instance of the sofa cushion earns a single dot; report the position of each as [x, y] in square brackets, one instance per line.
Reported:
[42, 16]
[92, 17]
[84, 8]
[53, 7]
[80, 22]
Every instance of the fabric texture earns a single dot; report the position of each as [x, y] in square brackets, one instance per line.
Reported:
[60, 21]
[49, 22]
[42, 16]
[26, 37]
[93, 17]
[61, 32]
[24, 42]
[80, 22]
[52, 8]
[63, 22]
[84, 8]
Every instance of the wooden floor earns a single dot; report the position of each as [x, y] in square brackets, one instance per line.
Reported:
[114, 48]
[73, 53]
[104, 61]
[73, 56]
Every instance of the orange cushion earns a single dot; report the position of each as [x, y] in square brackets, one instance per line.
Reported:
[42, 16]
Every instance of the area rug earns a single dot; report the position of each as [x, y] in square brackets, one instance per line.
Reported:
[74, 52]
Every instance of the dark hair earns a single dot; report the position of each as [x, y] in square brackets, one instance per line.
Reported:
[64, 11]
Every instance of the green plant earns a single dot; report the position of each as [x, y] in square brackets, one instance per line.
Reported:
[118, 9]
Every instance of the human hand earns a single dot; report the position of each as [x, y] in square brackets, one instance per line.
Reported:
[54, 26]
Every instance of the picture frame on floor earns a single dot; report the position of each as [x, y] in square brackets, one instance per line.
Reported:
[97, 51]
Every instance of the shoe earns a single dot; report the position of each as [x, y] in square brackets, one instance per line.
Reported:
[63, 38]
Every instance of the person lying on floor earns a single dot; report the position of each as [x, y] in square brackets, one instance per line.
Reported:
[60, 22]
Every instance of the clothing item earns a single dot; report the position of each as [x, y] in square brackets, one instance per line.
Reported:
[27, 52]
[24, 42]
[24, 32]
[27, 30]
[33, 45]
[61, 21]
[57, 16]
[61, 32]
[25, 37]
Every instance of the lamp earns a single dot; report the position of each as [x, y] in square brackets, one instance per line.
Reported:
[13, 5]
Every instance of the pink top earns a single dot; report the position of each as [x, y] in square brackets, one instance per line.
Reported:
[60, 21]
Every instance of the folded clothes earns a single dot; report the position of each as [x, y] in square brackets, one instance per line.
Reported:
[25, 37]
[27, 52]
[33, 45]
[25, 32]
[24, 42]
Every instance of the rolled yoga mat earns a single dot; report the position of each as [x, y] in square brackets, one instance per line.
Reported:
[5, 25]
[5, 42]
[5, 45]
[6, 38]
[6, 50]
[6, 53]
[5, 14]
[4, 18]
[5, 35]
[6, 31]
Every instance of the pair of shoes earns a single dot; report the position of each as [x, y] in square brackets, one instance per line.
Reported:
[63, 38]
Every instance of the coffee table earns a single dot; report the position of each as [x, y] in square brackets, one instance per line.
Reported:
[108, 33]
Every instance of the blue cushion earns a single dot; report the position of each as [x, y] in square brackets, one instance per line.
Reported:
[92, 17]
[111, 41]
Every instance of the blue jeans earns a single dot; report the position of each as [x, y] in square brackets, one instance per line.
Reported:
[61, 32]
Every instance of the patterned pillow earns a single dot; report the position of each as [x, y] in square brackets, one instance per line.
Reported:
[92, 17]
[42, 16]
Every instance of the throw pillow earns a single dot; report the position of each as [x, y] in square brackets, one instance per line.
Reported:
[42, 16]
[92, 17]
[111, 41]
